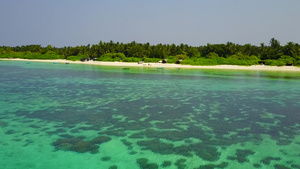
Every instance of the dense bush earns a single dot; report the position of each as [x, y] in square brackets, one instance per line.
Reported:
[172, 60]
[275, 63]
[151, 60]
[29, 55]
[287, 59]
[131, 59]
[111, 57]
[297, 63]
[8, 55]
[218, 61]
[76, 58]
[212, 55]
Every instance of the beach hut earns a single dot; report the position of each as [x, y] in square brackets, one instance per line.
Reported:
[165, 61]
[84, 59]
[178, 61]
[261, 62]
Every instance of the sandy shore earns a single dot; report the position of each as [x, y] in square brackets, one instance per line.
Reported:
[160, 65]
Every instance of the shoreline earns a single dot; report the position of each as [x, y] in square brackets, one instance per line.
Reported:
[168, 65]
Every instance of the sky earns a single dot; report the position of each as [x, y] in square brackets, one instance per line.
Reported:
[194, 22]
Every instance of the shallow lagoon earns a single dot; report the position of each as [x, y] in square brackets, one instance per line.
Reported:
[83, 116]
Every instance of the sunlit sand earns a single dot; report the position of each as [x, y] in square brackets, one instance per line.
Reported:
[161, 65]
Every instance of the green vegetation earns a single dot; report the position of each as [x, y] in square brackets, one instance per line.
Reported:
[210, 54]
[29, 55]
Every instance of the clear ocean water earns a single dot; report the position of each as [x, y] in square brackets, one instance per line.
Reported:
[67, 116]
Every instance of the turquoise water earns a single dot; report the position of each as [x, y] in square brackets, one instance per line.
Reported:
[80, 116]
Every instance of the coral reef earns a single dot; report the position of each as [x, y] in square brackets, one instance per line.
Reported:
[143, 163]
[212, 166]
[205, 152]
[279, 166]
[157, 146]
[100, 139]
[241, 155]
[180, 163]
[166, 164]
[78, 144]
[106, 158]
[267, 160]
[113, 167]
[256, 165]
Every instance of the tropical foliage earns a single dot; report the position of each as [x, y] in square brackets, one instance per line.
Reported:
[210, 54]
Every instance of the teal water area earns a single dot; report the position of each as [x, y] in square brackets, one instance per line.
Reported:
[81, 116]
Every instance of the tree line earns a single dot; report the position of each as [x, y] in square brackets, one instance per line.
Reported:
[210, 54]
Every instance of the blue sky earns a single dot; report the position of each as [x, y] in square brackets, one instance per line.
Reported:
[193, 22]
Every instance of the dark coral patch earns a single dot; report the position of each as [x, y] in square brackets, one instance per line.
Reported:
[212, 166]
[204, 151]
[113, 167]
[100, 139]
[166, 164]
[3, 124]
[9, 132]
[106, 158]
[75, 144]
[279, 166]
[143, 163]
[256, 165]
[181, 163]
[78, 144]
[241, 155]
[267, 160]
[156, 146]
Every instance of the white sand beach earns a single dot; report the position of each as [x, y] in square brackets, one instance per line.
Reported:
[161, 65]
